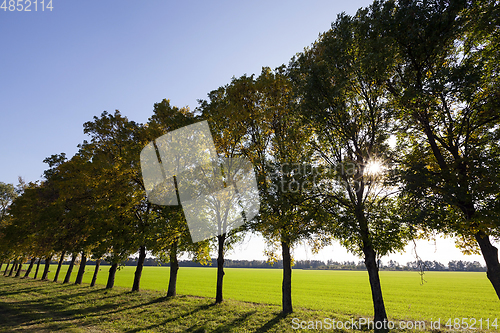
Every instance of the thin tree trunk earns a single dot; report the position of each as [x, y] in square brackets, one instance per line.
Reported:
[37, 267]
[286, 287]
[16, 265]
[1, 264]
[174, 267]
[111, 276]
[81, 271]
[490, 255]
[380, 316]
[59, 266]
[13, 267]
[220, 269]
[96, 270]
[6, 269]
[18, 272]
[138, 270]
[70, 268]
[46, 269]
[28, 271]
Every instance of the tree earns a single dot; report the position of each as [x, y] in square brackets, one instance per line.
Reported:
[7, 195]
[446, 87]
[119, 200]
[168, 223]
[340, 81]
[254, 118]
[227, 139]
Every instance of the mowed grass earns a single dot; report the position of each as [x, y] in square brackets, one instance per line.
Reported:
[28, 305]
[443, 295]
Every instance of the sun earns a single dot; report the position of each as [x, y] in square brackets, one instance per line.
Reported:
[374, 168]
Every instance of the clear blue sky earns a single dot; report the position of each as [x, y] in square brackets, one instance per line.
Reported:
[60, 68]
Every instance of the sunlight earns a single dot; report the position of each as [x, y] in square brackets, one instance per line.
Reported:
[374, 167]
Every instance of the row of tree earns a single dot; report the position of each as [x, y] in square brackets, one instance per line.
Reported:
[385, 130]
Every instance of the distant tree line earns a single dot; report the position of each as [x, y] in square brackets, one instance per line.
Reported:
[385, 130]
[391, 265]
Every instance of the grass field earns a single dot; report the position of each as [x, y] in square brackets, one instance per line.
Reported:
[28, 305]
[444, 295]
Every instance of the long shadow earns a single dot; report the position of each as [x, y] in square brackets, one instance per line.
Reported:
[196, 329]
[189, 313]
[234, 323]
[267, 326]
[107, 309]
[32, 311]
[19, 291]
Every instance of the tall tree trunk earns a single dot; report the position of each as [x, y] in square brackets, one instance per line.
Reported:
[81, 271]
[18, 272]
[59, 266]
[6, 269]
[46, 269]
[138, 269]
[111, 276]
[70, 268]
[490, 255]
[1, 264]
[286, 286]
[380, 316]
[220, 268]
[96, 270]
[174, 267]
[28, 271]
[14, 265]
[37, 267]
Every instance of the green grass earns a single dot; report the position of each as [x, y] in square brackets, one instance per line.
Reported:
[39, 306]
[255, 294]
[442, 295]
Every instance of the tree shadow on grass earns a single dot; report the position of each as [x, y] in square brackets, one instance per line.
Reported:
[234, 323]
[267, 326]
[189, 313]
[105, 309]
[34, 311]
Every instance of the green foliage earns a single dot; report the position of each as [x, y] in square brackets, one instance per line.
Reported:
[7, 195]
[445, 87]
[340, 82]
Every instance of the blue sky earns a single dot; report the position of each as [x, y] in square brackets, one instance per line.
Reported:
[60, 68]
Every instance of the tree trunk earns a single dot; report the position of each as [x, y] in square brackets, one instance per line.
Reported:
[81, 271]
[46, 269]
[14, 265]
[1, 264]
[220, 269]
[380, 316]
[6, 269]
[286, 286]
[111, 276]
[59, 266]
[18, 272]
[37, 267]
[96, 270]
[28, 271]
[174, 267]
[490, 255]
[138, 269]
[70, 269]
